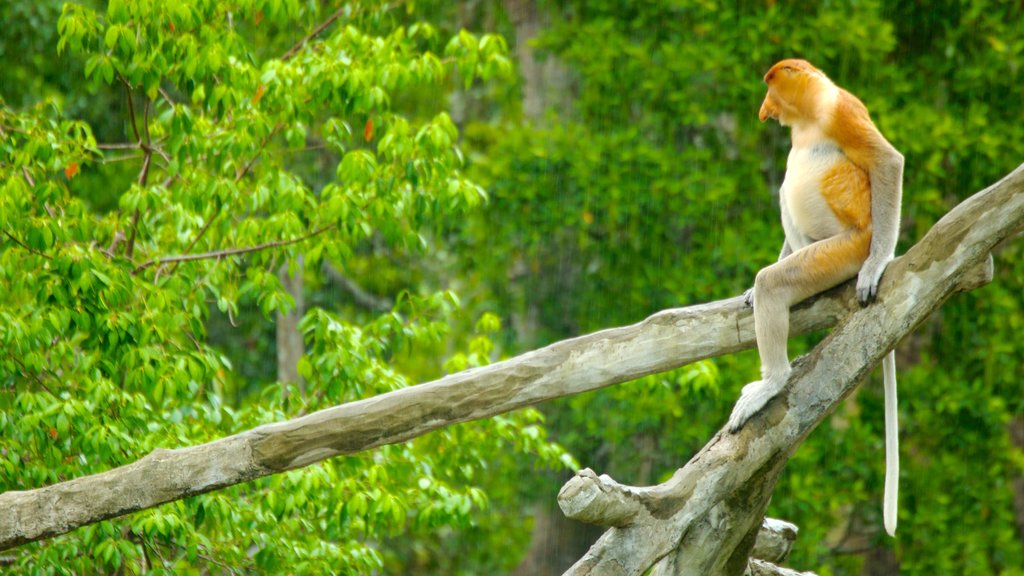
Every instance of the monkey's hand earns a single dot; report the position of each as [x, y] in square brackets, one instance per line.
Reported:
[753, 397]
[867, 280]
[748, 297]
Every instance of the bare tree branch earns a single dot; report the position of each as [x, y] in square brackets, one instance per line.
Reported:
[359, 295]
[706, 516]
[323, 26]
[316, 32]
[26, 246]
[717, 502]
[232, 251]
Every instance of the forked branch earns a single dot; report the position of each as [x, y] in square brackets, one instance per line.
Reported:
[717, 500]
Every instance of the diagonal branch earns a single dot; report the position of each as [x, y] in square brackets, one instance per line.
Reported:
[666, 340]
[321, 27]
[316, 32]
[705, 516]
[232, 251]
[732, 476]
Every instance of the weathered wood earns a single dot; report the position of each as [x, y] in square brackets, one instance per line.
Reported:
[664, 341]
[774, 541]
[704, 519]
[763, 568]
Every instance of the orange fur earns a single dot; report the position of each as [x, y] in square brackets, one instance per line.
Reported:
[794, 96]
[840, 210]
[847, 190]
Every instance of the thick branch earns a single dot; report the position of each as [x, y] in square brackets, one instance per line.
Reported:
[666, 340]
[704, 519]
[601, 500]
[912, 287]
[762, 568]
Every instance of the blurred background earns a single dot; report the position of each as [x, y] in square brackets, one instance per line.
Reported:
[625, 172]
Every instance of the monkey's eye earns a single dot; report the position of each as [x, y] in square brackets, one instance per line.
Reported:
[787, 68]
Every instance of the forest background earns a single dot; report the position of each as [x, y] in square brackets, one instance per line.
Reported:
[422, 187]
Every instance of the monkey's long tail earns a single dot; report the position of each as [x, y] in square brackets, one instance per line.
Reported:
[892, 443]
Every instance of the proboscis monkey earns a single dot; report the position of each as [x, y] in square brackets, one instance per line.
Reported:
[840, 204]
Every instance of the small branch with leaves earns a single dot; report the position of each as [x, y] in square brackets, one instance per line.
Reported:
[217, 255]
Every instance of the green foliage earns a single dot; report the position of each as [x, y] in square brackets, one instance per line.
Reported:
[653, 186]
[238, 162]
[161, 162]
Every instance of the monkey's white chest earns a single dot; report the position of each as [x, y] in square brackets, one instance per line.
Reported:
[806, 215]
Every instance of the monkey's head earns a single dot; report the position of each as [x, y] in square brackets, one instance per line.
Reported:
[793, 89]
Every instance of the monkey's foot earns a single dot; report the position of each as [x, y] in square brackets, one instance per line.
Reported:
[753, 397]
[748, 297]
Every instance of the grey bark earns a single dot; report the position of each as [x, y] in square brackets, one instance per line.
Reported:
[523, 14]
[359, 296]
[763, 568]
[664, 341]
[707, 514]
[290, 347]
[704, 519]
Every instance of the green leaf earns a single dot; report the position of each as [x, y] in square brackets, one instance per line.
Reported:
[117, 11]
[110, 39]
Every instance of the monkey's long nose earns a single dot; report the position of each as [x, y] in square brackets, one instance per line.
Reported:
[765, 112]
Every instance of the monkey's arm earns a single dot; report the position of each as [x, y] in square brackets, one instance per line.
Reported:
[886, 195]
[865, 146]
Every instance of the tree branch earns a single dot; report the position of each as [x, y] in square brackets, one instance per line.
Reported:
[238, 178]
[26, 246]
[718, 500]
[320, 28]
[232, 251]
[131, 109]
[359, 295]
[28, 176]
[316, 32]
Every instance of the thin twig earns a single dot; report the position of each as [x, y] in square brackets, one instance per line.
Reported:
[129, 249]
[118, 146]
[145, 120]
[259, 152]
[232, 251]
[316, 31]
[131, 107]
[321, 27]
[25, 371]
[202, 231]
[147, 155]
[166, 96]
[121, 158]
[26, 246]
[28, 176]
[143, 176]
[238, 178]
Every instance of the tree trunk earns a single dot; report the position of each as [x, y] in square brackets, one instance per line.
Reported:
[289, 340]
[546, 83]
[704, 520]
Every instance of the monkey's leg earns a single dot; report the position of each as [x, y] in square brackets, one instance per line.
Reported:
[804, 273]
[748, 296]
